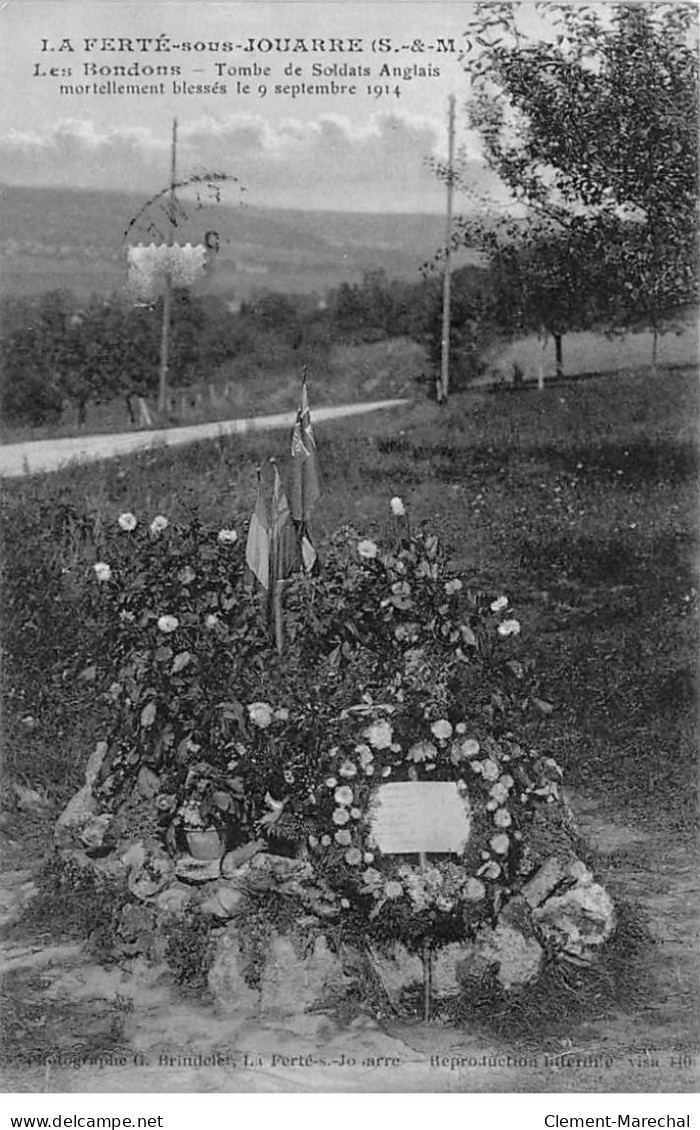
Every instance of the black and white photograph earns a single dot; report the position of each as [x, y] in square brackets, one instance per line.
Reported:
[349, 555]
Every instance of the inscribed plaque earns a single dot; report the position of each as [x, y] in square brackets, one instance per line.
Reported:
[410, 817]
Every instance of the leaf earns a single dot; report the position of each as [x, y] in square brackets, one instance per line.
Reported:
[148, 715]
[269, 819]
[180, 661]
[233, 711]
[468, 636]
[88, 675]
[542, 706]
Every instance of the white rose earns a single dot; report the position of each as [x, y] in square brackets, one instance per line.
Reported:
[475, 890]
[168, 623]
[160, 522]
[509, 628]
[442, 729]
[367, 549]
[127, 521]
[397, 507]
[260, 714]
[379, 735]
[102, 571]
[500, 604]
[499, 792]
[227, 537]
[470, 748]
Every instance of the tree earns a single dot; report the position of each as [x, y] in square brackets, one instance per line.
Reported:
[595, 132]
[544, 278]
[473, 323]
[30, 348]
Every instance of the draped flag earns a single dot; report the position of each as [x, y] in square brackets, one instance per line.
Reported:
[268, 549]
[257, 550]
[305, 484]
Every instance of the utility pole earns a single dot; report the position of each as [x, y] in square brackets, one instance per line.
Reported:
[168, 294]
[444, 382]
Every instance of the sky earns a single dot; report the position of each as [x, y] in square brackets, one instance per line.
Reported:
[369, 150]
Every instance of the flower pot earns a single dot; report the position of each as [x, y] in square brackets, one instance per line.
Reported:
[204, 843]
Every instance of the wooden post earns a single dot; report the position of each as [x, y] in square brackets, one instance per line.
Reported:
[145, 420]
[543, 337]
[427, 957]
[277, 587]
[276, 581]
[443, 387]
[168, 295]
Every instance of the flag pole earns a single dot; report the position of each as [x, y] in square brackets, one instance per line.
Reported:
[276, 582]
[168, 295]
[444, 382]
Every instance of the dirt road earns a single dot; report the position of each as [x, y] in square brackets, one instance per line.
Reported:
[17, 459]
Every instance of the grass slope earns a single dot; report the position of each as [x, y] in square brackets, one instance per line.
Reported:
[261, 385]
[577, 502]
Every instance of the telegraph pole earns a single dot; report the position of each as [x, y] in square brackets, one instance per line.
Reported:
[168, 294]
[444, 382]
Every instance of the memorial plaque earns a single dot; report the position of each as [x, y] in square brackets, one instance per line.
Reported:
[414, 817]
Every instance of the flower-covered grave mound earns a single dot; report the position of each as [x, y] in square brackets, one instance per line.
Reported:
[231, 774]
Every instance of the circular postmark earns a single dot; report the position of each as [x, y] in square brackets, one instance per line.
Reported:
[178, 233]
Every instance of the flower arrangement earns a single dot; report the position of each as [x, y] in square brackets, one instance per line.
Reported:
[395, 670]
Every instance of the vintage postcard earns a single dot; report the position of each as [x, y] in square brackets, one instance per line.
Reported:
[349, 409]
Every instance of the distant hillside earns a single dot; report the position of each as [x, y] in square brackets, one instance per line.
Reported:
[76, 239]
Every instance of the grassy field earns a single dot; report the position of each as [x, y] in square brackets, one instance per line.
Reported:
[590, 352]
[578, 502]
[347, 374]
[343, 373]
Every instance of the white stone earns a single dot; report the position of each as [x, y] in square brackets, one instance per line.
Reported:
[79, 811]
[519, 958]
[175, 898]
[147, 782]
[446, 963]
[234, 860]
[135, 855]
[232, 994]
[396, 970]
[550, 875]
[223, 900]
[94, 763]
[92, 833]
[292, 984]
[197, 870]
[29, 800]
[154, 874]
[579, 921]
[278, 873]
